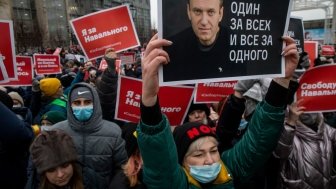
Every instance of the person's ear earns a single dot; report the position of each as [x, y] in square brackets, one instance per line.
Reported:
[188, 11]
[221, 13]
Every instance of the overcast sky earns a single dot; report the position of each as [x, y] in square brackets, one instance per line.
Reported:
[153, 12]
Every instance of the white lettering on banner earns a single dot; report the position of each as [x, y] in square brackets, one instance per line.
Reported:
[223, 85]
[236, 24]
[233, 39]
[261, 25]
[23, 73]
[91, 38]
[46, 59]
[104, 47]
[266, 40]
[291, 34]
[170, 109]
[131, 94]
[318, 93]
[249, 40]
[133, 99]
[248, 55]
[318, 85]
[132, 102]
[21, 63]
[213, 95]
[245, 8]
[132, 115]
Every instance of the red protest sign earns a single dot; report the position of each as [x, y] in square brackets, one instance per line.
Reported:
[47, 64]
[57, 51]
[327, 50]
[129, 97]
[3, 72]
[213, 92]
[127, 57]
[311, 47]
[7, 48]
[318, 89]
[102, 65]
[25, 72]
[118, 66]
[110, 28]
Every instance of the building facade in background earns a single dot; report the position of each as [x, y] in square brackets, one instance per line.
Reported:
[45, 24]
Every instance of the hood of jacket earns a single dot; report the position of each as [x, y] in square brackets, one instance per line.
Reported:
[95, 121]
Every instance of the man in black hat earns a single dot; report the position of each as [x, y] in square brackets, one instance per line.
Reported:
[99, 144]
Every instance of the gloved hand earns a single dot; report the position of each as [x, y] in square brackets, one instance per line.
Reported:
[243, 85]
[110, 57]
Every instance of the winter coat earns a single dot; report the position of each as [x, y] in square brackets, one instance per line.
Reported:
[99, 144]
[15, 138]
[120, 181]
[307, 157]
[107, 89]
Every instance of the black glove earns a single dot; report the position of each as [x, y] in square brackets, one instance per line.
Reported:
[110, 63]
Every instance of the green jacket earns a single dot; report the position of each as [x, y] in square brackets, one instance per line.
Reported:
[161, 167]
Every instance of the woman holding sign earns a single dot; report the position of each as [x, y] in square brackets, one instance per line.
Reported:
[189, 158]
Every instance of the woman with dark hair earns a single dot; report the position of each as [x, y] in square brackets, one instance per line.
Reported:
[55, 158]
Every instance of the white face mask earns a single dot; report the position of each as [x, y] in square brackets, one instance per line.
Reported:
[45, 128]
[17, 106]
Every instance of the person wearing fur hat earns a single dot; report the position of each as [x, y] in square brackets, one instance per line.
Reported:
[306, 148]
[98, 142]
[130, 177]
[52, 98]
[15, 138]
[189, 157]
[55, 158]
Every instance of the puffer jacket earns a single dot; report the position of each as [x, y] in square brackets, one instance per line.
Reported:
[99, 144]
[307, 157]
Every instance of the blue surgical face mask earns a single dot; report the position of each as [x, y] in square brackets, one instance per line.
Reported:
[205, 173]
[83, 113]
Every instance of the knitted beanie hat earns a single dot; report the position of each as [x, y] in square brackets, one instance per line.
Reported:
[16, 96]
[51, 149]
[187, 133]
[54, 116]
[49, 86]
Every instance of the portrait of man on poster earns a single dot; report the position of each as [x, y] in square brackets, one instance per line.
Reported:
[195, 50]
[203, 46]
